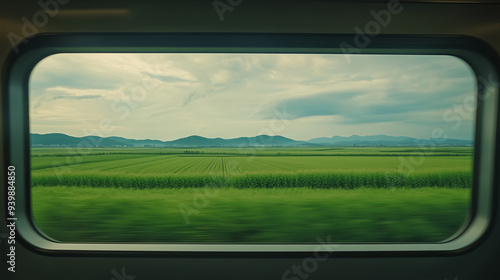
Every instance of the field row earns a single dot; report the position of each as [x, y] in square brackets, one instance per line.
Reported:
[171, 164]
[268, 151]
[322, 180]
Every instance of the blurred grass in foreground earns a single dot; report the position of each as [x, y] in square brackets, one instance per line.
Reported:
[278, 215]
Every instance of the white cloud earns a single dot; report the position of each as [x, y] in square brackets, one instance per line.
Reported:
[232, 95]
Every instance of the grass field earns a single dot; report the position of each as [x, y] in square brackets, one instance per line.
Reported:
[250, 215]
[256, 194]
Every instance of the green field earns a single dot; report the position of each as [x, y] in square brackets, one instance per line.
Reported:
[251, 195]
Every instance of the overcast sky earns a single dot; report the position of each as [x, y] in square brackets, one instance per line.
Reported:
[300, 96]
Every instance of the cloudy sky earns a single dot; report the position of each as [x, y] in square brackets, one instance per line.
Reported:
[301, 96]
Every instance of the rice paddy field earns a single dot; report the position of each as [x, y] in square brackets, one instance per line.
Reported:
[251, 195]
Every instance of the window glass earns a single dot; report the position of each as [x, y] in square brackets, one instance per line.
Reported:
[251, 148]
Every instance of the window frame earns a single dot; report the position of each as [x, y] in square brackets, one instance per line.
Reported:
[17, 148]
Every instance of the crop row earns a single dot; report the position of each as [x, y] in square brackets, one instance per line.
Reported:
[325, 180]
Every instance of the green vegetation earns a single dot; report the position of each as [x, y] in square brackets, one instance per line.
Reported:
[263, 194]
[249, 215]
[323, 180]
[257, 151]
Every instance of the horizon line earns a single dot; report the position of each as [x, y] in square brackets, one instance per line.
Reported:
[248, 137]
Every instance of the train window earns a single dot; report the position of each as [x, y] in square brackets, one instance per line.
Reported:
[244, 148]
[250, 139]
[261, 150]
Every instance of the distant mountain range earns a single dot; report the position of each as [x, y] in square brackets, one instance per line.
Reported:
[384, 140]
[63, 140]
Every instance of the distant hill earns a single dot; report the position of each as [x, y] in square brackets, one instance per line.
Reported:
[63, 140]
[354, 138]
[58, 139]
[261, 140]
[385, 140]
